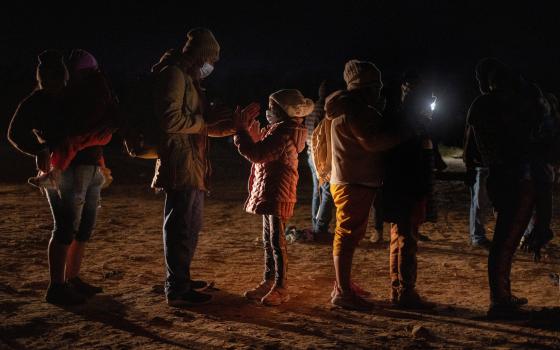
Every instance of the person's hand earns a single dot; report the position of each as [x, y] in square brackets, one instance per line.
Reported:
[250, 112]
[242, 118]
[43, 160]
[238, 122]
[536, 241]
[255, 131]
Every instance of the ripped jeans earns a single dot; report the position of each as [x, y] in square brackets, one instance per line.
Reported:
[74, 211]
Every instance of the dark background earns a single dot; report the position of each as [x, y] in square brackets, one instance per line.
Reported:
[270, 45]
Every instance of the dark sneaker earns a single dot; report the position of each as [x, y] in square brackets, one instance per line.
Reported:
[201, 286]
[506, 312]
[508, 309]
[484, 244]
[84, 288]
[519, 301]
[411, 300]
[190, 298]
[63, 294]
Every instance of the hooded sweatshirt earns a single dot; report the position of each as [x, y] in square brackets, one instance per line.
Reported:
[357, 140]
[274, 173]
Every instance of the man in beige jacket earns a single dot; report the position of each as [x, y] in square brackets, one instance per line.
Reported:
[182, 168]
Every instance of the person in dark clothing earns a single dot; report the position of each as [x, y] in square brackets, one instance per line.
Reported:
[538, 232]
[407, 183]
[475, 179]
[41, 122]
[501, 120]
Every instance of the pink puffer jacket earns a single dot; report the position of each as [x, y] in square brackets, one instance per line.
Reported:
[274, 173]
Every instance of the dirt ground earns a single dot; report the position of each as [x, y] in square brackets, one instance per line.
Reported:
[125, 258]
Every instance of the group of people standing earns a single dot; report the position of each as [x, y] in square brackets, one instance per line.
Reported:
[360, 140]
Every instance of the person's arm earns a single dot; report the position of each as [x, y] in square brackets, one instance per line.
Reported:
[469, 148]
[169, 98]
[266, 150]
[21, 132]
[222, 128]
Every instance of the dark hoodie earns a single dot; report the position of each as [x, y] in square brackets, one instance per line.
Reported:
[274, 173]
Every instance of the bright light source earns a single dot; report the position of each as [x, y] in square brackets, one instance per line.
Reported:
[433, 105]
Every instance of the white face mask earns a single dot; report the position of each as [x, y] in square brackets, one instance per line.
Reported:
[206, 70]
[271, 116]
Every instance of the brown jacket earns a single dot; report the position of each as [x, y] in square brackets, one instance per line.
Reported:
[274, 173]
[357, 140]
[180, 105]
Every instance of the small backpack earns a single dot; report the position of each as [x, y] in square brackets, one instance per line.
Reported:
[140, 129]
[321, 149]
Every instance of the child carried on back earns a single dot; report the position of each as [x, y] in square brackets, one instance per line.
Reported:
[88, 112]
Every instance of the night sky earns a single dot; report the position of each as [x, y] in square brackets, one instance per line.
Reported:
[271, 45]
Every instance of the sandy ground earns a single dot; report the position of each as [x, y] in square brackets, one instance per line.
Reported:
[125, 257]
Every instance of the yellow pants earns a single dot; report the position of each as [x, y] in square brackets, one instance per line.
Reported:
[353, 203]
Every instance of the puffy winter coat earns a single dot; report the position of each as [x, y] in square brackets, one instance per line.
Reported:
[274, 173]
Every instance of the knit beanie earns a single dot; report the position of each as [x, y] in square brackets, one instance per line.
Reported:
[293, 102]
[82, 60]
[201, 44]
[360, 74]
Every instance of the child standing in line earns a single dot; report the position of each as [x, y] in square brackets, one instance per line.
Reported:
[272, 183]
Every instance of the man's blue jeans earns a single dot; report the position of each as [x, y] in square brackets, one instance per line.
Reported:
[480, 205]
[315, 195]
[322, 203]
[324, 214]
[182, 222]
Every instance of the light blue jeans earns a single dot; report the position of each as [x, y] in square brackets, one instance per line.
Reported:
[316, 194]
[322, 202]
[480, 205]
[74, 211]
